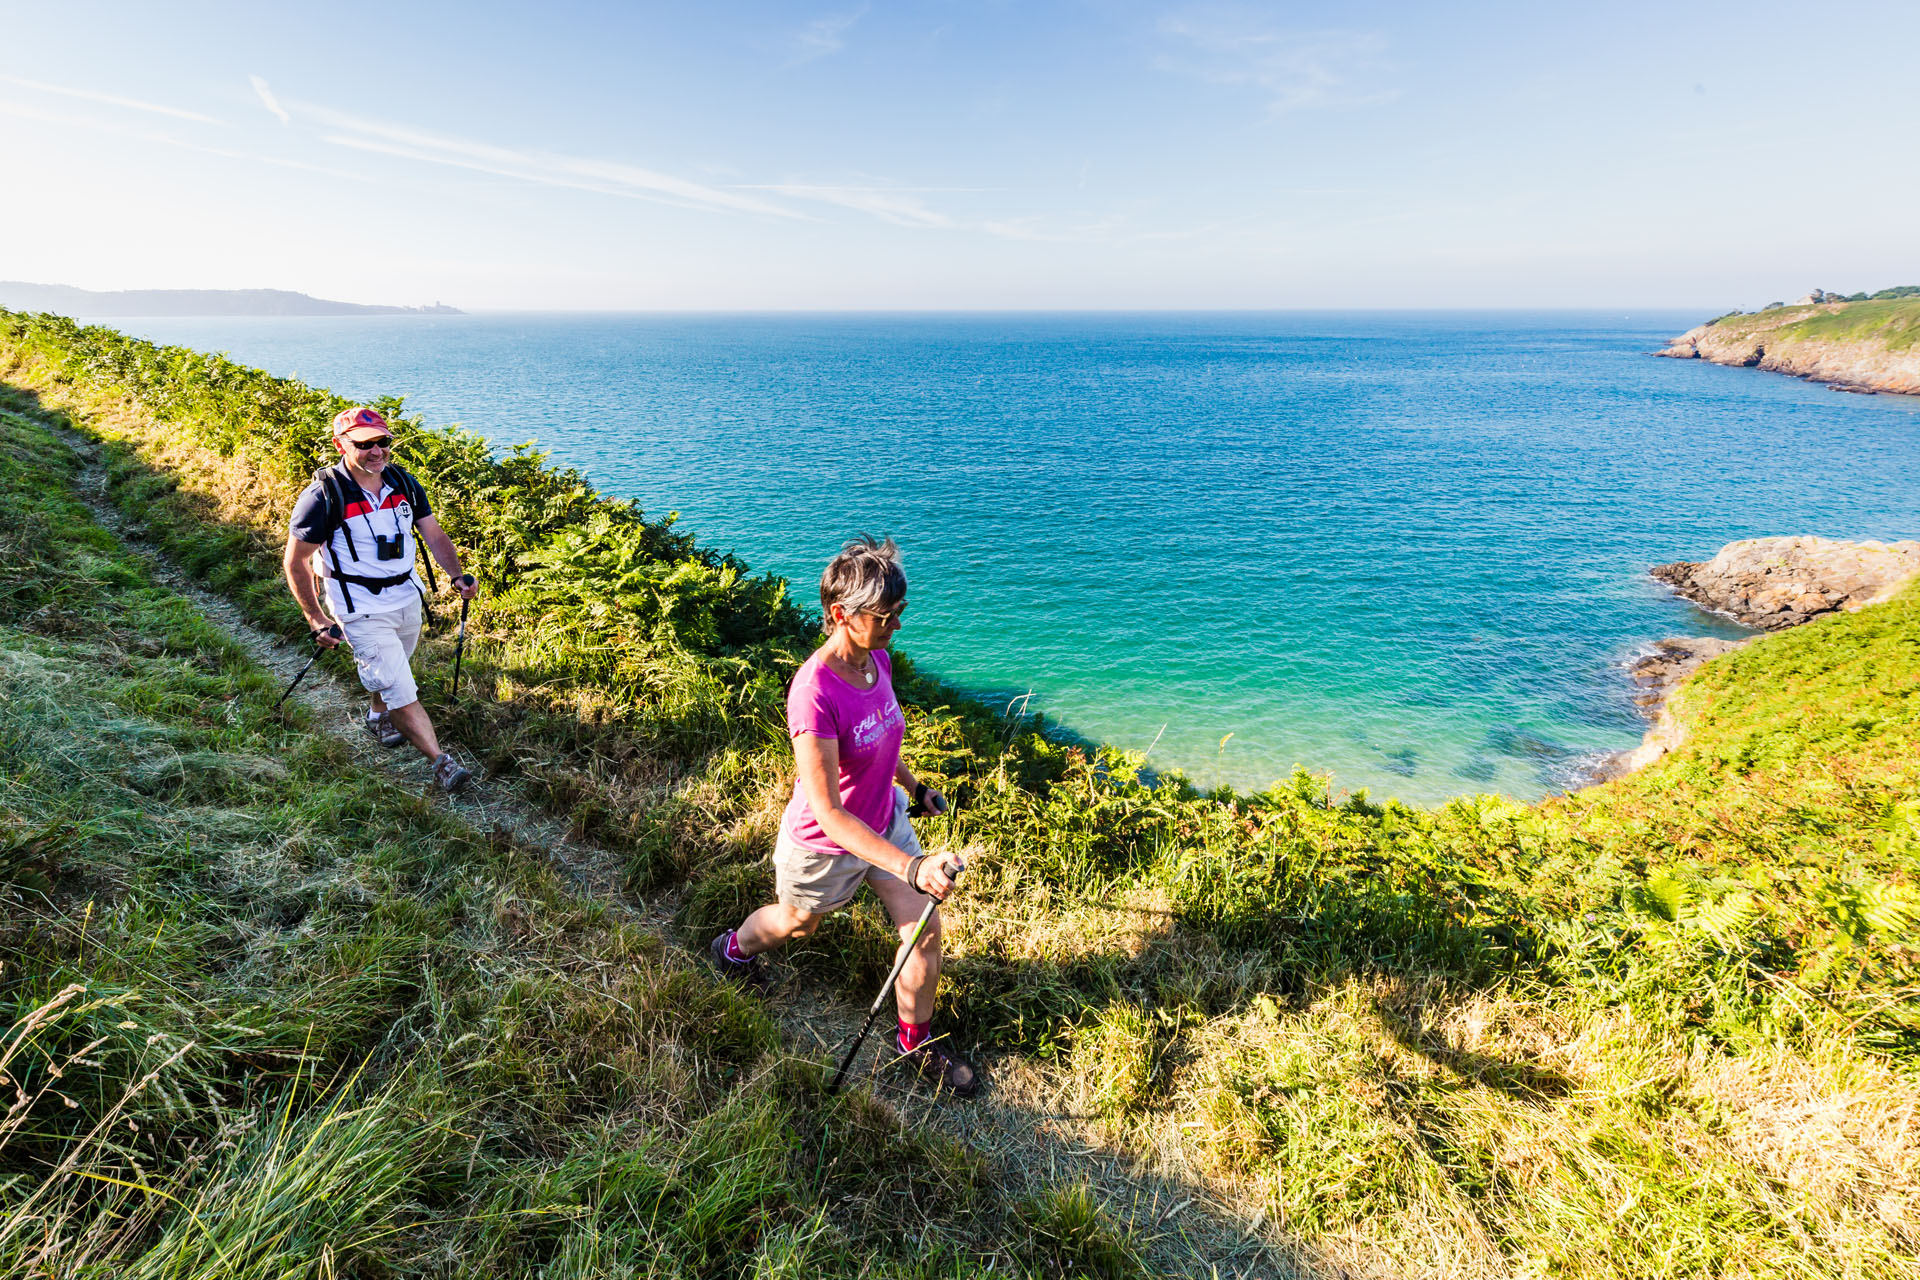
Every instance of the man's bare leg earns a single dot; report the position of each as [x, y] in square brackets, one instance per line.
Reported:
[411, 720]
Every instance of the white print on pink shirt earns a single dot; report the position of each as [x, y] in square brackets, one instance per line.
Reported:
[875, 726]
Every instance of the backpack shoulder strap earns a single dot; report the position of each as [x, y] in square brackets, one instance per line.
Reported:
[333, 496]
[411, 489]
[333, 488]
[416, 496]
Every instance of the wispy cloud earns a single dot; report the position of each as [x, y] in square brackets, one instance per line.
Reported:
[824, 36]
[905, 206]
[268, 101]
[110, 99]
[1103, 230]
[1294, 69]
[540, 168]
[900, 206]
[26, 112]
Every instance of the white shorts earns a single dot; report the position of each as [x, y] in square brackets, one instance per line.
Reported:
[382, 644]
[821, 882]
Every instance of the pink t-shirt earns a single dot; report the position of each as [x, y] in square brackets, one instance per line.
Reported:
[868, 726]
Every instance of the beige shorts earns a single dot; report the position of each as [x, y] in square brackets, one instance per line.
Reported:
[382, 644]
[823, 882]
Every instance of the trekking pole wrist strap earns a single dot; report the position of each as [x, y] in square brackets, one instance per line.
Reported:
[920, 807]
[913, 874]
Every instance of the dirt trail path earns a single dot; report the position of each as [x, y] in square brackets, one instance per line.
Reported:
[1021, 1125]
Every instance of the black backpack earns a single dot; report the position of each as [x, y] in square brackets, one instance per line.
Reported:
[335, 493]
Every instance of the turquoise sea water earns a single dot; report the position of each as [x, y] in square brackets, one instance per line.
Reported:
[1408, 550]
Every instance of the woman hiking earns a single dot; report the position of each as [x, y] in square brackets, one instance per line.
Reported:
[847, 823]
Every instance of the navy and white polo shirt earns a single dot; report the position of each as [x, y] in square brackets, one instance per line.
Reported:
[350, 537]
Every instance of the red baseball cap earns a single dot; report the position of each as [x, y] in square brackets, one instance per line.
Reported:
[350, 420]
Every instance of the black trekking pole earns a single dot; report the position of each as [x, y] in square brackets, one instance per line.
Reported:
[460, 645]
[887, 986]
[318, 649]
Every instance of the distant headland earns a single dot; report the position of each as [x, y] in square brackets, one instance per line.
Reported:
[62, 299]
[1858, 342]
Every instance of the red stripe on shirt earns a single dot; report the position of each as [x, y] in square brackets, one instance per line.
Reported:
[360, 507]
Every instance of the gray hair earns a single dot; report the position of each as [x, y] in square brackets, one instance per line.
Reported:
[867, 574]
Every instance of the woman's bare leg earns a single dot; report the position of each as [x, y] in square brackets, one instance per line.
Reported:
[772, 925]
[920, 977]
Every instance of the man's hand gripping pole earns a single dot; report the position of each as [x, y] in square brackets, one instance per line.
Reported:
[320, 647]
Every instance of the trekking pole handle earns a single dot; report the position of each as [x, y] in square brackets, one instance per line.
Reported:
[953, 869]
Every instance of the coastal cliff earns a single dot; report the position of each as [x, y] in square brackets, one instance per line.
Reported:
[1867, 345]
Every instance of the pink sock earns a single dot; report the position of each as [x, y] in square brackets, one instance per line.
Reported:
[733, 947]
[913, 1034]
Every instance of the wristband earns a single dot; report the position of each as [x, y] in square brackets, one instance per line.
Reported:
[913, 875]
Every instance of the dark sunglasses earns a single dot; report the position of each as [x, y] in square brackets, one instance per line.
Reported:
[378, 442]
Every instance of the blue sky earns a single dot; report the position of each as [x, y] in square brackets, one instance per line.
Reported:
[966, 155]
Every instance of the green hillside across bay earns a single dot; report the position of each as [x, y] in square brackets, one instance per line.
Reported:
[1859, 342]
[271, 1012]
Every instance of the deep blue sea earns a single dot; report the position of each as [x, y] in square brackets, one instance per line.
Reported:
[1409, 550]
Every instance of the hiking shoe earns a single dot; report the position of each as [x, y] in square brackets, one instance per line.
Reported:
[382, 728]
[750, 973]
[449, 774]
[940, 1067]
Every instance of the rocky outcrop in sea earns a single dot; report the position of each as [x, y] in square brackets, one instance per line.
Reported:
[1773, 583]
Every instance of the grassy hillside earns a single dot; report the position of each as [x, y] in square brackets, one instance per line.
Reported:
[1893, 324]
[1664, 1027]
[1885, 324]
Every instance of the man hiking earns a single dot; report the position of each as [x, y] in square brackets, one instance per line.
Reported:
[354, 528]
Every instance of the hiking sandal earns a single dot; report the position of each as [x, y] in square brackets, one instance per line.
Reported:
[940, 1067]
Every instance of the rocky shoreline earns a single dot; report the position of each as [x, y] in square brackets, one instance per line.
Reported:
[1765, 583]
[1771, 341]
